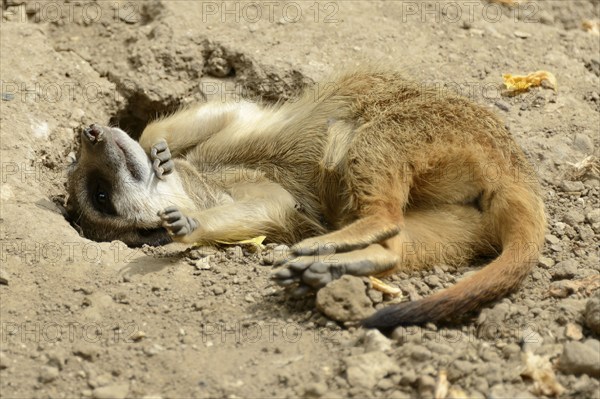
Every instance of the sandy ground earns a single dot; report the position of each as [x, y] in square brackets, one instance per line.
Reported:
[86, 319]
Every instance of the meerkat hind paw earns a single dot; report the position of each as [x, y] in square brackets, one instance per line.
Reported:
[291, 270]
[308, 271]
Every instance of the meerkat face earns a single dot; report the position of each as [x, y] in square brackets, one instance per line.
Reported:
[113, 191]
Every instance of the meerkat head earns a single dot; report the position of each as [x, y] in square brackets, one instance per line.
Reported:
[113, 191]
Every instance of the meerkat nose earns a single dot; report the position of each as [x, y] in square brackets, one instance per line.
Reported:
[93, 133]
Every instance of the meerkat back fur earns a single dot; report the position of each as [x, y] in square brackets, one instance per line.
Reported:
[368, 175]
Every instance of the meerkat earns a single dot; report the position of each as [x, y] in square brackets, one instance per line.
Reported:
[372, 175]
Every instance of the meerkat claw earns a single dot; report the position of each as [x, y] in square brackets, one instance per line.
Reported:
[301, 291]
[283, 275]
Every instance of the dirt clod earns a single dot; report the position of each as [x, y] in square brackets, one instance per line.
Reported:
[592, 315]
[345, 300]
[367, 369]
[581, 358]
[374, 341]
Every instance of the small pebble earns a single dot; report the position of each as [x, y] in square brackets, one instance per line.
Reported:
[203, 263]
[4, 361]
[583, 143]
[573, 331]
[121, 297]
[218, 67]
[57, 358]
[420, 353]
[546, 263]
[398, 395]
[218, 290]
[504, 106]
[572, 186]
[115, 391]
[48, 374]
[521, 34]
[315, 390]
[593, 216]
[137, 335]
[3, 277]
[427, 385]
[432, 281]
[592, 314]
[580, 358]
[367, 369]
[77, 114]
[564, 270]
[510, 350]
[375, 341]
[202, 252]
[552, 239]
[573, 217]
[86, 351]
[235, 253]
[153, 350]
[375, 296]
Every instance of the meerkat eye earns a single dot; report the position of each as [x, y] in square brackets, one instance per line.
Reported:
[101, 199]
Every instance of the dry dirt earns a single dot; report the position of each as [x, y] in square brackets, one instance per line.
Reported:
[86, 319]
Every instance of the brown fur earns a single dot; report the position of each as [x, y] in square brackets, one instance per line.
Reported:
[382, 167]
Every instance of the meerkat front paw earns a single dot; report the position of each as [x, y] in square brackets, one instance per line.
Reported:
[176, 223]
[161, 159]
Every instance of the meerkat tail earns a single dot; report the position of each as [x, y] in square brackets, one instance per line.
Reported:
[518, 216]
